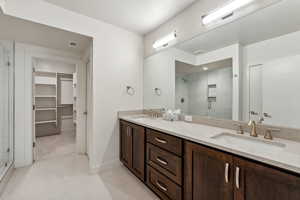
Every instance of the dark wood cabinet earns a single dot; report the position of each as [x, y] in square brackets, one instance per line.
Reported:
[165, 141]
[138, 151]
[125, 144]
[208, 174]
[177, 169]
[132, 148]
[167, 163]
[259, 182]
[162, 186]
[213, 175]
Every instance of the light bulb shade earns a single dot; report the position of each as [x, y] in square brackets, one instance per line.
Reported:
[164, 41]
[225, 10]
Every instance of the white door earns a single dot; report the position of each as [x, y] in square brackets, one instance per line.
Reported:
[81, 108]
[255, 94]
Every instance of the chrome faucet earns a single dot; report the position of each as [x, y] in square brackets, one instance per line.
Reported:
[253, 132]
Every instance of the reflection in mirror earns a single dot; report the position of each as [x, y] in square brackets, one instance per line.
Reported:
[244, 70]
[274, 92]
[205, 89]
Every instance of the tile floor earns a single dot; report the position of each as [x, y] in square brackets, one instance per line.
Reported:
[64, 175]
[56, 145]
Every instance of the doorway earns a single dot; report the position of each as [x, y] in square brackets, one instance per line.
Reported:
[54, 108]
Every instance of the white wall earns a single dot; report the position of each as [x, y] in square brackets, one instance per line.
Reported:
[54, 66]
[263, 52]
[280, 91]
[117, 62]
[2, 4]
[159, 72]
[188, 23]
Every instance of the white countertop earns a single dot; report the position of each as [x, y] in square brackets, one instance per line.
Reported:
[286, 158]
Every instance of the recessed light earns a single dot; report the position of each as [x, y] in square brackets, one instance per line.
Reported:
[205, 68]
[199, 51]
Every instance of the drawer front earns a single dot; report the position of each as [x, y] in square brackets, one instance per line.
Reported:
[165, 162]
[162, 186]
[167, 142]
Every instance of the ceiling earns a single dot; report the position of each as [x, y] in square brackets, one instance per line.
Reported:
[276, 20]
[141, 16]
[183, 69]
[41, 35]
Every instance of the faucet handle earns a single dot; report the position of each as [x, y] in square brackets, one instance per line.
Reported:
[268, 133]
[240, 129]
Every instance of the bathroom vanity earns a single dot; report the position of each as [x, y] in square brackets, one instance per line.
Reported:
[238, 71]
[180, 160]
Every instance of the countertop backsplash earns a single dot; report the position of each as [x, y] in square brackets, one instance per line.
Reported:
[284, 133]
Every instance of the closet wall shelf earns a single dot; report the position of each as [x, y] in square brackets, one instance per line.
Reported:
[45, 96]
[46, 84]
[45, 109]
[45, 122]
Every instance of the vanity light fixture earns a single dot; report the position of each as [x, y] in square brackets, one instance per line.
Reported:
[205, 68]
[225, 11]
[164, 42]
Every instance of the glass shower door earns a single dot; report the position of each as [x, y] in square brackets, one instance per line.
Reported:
[5, 108]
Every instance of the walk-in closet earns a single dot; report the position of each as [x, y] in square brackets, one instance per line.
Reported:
[54, 100]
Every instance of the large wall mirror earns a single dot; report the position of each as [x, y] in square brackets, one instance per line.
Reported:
[242, 70]
[204, 89]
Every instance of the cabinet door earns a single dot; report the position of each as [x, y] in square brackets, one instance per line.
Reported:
[258, 182]
[208, 174]
[138, 151]
[125, 144]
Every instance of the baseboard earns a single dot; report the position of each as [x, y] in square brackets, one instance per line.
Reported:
[6, 178]
[105, 166]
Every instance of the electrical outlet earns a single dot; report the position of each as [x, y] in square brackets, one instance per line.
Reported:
[188, 118]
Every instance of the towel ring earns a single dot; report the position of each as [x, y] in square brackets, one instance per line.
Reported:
[157, 91]
[130, 90]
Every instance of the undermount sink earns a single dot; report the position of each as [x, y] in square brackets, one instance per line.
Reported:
[248, 141]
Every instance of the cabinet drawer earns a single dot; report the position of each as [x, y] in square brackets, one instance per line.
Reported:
[165, 162]
[167, 142]
[162, 186]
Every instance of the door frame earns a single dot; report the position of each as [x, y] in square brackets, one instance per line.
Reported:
[11, 90]
[30, 52]
[81, 98]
